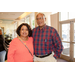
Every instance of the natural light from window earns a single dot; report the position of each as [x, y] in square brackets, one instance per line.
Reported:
[71, 15]
[66, 15]
[66, 30]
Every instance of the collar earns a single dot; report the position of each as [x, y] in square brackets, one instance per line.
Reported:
[43, 28]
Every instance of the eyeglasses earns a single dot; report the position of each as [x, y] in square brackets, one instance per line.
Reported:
[41, 18]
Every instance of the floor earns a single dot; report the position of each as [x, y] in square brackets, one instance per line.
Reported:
[58, 60]
[61, 60]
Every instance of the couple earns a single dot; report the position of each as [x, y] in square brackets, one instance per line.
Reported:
[43, 44]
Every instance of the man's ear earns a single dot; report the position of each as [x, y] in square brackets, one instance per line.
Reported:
[45, 19]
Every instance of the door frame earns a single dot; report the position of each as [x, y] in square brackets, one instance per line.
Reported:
[71, 21]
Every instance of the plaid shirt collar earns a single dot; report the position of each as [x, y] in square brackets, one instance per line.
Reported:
[42, 28]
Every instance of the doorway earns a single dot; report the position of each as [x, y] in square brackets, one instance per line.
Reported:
[67, 34]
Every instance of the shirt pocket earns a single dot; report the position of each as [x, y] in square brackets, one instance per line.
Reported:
[47, 42]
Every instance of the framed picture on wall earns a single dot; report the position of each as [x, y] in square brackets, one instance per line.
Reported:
[2, 30]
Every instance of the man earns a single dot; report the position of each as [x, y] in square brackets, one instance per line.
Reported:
[47, 43]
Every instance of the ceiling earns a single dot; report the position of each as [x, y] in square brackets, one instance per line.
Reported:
[9, 17]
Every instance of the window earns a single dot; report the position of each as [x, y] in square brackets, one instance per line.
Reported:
[71, 15]
[27, 20]
[66, 39]
[53, 12]
[66, 50]
[67, 33]
[63, 16]
[66, 16]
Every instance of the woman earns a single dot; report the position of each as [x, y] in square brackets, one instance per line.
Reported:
[21, 47]
[2, 47]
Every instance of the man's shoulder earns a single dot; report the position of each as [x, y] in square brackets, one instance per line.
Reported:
[35, 28]
[49, 27]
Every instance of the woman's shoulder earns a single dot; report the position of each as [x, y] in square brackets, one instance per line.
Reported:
[14, 40]
[30, 38]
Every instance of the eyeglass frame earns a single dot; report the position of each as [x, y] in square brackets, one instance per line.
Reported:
[41, 18]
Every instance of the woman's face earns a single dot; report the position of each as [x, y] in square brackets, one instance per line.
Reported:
[24, 31]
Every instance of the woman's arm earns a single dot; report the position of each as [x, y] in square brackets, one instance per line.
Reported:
[11, 51]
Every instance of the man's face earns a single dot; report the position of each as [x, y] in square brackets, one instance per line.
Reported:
[40, 19]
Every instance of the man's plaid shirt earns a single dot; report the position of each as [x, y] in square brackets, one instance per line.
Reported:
[47, 40]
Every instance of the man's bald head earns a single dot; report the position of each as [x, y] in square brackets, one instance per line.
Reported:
[40, 14]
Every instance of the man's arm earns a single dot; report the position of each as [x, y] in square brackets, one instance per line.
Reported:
[57, 43]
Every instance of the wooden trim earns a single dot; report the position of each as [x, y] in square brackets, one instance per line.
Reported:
[65, 57]
[35, 18]
[71, 39]
[55, 21]
[67, 21]
[71, 57]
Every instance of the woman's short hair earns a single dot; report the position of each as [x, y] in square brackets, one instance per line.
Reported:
[28, 27]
